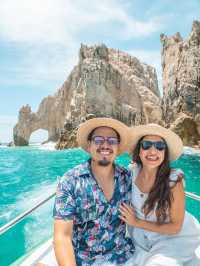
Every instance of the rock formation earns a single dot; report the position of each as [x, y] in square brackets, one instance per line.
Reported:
[45, 118]
[181, 84]
[106, 82]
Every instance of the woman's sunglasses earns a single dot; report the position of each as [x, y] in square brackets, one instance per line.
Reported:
[100, 140]
[147, 144]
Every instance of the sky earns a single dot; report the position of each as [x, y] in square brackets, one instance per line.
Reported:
[40, 41]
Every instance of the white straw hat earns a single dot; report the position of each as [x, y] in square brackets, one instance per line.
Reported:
[86, 128]
[174, 142]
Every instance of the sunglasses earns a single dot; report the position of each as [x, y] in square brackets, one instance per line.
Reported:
[100, 140]
[147, 144]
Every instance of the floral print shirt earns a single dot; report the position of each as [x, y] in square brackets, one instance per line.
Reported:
[98, 233]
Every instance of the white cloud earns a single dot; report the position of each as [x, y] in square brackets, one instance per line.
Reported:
[5, 120]
[134, 28]
[6, 127]
[50, 33]
[40, 66]
[51, 21]
[34, 20]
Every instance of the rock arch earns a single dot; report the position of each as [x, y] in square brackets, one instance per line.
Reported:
[29, 122]
[106, 82]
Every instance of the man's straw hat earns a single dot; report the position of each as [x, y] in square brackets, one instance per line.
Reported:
[86, 128]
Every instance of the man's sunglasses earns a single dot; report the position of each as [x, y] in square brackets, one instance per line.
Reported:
[100, 140]
[147, 144]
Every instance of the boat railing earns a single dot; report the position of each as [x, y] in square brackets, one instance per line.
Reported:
[22, 216]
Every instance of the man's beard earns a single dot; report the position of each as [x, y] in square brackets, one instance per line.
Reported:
[104, 162]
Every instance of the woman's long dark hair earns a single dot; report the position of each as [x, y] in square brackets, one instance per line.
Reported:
[160, 194]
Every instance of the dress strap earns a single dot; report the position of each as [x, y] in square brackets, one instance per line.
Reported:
[134, 168]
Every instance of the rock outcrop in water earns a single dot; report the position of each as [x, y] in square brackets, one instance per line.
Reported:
[48, 118]
[106, 82]
[181, 84]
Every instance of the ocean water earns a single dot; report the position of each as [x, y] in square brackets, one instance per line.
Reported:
[28, 175]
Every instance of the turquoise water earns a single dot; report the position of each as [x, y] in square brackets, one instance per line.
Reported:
[29, 174]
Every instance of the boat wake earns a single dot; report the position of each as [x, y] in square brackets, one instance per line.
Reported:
[191, 151]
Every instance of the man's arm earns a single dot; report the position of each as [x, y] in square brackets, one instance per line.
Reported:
[63, 242]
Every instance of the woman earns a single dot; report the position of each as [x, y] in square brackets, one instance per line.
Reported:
[163, 232]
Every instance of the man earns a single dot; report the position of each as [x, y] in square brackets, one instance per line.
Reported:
[87, 228]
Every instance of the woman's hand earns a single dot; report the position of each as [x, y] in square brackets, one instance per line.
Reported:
[128, 214]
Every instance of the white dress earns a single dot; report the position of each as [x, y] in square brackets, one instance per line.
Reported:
[154, 249]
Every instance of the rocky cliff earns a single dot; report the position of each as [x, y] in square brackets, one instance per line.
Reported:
[105, 82]
[181, 84]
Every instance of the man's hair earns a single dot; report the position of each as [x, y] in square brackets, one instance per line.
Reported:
[89, 138]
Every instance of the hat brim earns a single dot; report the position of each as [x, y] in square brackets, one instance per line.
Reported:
[86, 128]
[174, 142]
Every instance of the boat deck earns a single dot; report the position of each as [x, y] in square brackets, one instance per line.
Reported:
[43, 253]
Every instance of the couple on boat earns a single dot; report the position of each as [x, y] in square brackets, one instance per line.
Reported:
[108, 215]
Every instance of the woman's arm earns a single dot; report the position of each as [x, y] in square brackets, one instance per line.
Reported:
[176, 213]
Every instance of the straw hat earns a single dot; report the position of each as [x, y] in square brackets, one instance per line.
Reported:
[174, 142]
[86, 128]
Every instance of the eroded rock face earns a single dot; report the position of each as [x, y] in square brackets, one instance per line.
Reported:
[186, 128]
[181, 82]
[45, 118]
[106, 82]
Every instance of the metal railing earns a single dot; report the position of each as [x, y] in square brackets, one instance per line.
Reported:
[192, 196]
[19, 218]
